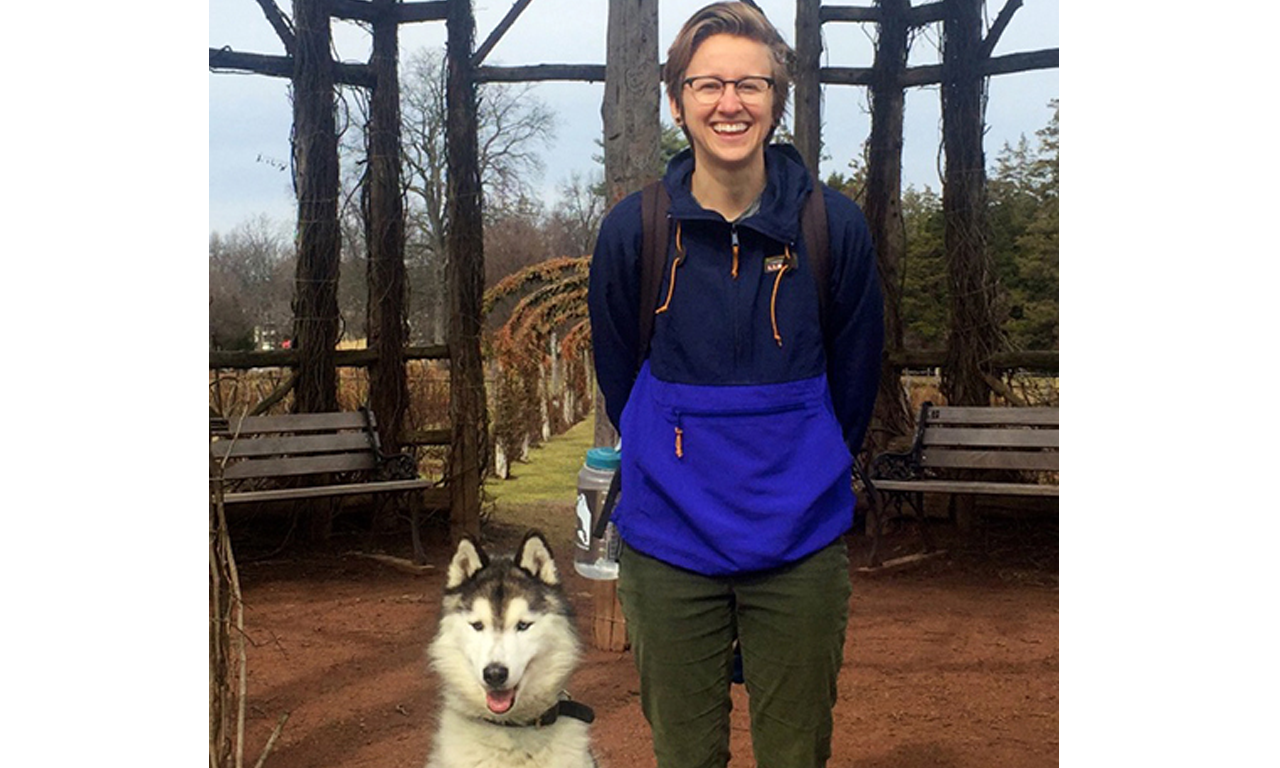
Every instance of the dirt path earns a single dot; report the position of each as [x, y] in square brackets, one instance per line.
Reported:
[953, 664]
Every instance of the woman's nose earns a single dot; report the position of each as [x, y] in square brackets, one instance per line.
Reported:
[729, 101]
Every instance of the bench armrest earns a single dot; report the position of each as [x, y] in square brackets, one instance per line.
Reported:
[396, 466]
[895, 466]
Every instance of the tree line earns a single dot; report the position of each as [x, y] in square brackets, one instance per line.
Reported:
[1022, 220]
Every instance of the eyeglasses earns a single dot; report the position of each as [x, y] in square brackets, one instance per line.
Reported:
[708, 89]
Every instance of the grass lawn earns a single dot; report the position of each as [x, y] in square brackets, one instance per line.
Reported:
[550, 474]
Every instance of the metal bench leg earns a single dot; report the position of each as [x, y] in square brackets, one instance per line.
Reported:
[926, 541]
[419, 554]
[877, 509]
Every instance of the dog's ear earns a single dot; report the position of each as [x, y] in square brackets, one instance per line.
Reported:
[535, 557]
[468, 559]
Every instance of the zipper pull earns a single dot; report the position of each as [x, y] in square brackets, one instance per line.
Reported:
[679, 443]
[733, 231]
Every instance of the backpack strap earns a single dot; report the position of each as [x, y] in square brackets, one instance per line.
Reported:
[654, 204]
[817, 240]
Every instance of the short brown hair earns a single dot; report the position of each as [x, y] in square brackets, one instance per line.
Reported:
[741, 20]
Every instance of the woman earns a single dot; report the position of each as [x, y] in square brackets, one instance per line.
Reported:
[739, 425]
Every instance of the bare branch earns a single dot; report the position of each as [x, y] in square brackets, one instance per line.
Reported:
[279, 22]
[997, 29]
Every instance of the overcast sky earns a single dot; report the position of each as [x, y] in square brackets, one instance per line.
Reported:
[249, 115]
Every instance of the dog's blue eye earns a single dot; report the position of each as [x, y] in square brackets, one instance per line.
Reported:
[477, 626]
[523, 625]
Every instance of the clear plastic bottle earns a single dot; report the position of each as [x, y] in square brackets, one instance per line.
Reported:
[596, 558]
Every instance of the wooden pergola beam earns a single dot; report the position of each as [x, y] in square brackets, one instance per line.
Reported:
[541, 72]
[917, 16]
[362, 10]
[282, 66]
[931, 74]
[482, 52]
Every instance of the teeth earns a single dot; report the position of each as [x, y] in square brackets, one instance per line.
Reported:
[729, 127]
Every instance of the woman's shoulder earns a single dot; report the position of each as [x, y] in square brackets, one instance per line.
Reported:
[624, 215]
[843, 213]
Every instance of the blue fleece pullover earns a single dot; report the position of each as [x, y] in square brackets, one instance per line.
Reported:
[739, 427]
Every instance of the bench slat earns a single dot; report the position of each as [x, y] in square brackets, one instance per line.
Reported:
[1038, 416]
[302, 465]
[1046, 461]
[289, 445]
[992, 438]
[435, 498]
[970, 487]
[295, 422]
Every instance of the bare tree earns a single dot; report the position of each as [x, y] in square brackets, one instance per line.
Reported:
[514, 126]
[573, 224]
[250, 282]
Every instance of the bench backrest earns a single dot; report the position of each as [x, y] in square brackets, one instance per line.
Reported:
[296, 444]
[989, 438]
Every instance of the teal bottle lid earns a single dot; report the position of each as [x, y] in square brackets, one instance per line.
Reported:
[608, 459]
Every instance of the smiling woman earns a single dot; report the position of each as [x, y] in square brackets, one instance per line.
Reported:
[740, 415]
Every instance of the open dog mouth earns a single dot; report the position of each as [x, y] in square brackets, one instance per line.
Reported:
[500, 702]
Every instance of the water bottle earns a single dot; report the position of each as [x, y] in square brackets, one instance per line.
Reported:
[596, 557]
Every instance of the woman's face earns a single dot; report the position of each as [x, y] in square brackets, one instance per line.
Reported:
[729, 133]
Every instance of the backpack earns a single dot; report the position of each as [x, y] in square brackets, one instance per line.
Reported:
[654, 204]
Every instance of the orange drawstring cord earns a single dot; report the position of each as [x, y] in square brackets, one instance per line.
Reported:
[773, 300]
[671, 288]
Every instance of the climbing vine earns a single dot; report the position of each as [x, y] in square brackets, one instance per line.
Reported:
[539, 354]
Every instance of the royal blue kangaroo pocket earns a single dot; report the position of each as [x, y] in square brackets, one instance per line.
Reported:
[731, 479]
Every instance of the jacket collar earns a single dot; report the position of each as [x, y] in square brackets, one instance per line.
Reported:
[787, 183]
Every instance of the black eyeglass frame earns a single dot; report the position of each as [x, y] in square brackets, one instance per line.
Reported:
[688, 82]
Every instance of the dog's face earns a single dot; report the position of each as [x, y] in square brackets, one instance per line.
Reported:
[507, 643]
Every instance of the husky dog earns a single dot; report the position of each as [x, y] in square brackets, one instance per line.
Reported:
[505, 648]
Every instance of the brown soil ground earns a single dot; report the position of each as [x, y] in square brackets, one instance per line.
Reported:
[952, 663]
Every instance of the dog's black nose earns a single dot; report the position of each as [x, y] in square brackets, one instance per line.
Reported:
[495, 675]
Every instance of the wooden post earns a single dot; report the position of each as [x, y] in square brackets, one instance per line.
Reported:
[315, 304]
[385, 312]
[632, 133]
[808, 90]
[465, 278]
[632, 98]
[975, 334]
[883, 206]
[315, 298]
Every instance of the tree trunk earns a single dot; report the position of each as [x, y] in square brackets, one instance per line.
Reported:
[386, 319]
[808, 99]
[388, 329]
[975, 334]
[465, 279]
[632, 131]
[884, 210]
[315, 305]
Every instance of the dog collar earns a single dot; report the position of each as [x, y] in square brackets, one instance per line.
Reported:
[565, 707]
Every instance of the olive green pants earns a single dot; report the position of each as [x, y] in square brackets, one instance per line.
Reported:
[790, 625]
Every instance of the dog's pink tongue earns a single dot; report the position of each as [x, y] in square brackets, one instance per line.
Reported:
[500, 701]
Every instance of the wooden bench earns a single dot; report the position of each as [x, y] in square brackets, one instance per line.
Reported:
[310, 456]
[991, 451]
